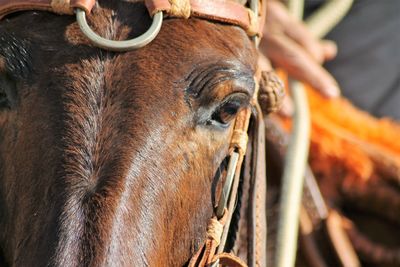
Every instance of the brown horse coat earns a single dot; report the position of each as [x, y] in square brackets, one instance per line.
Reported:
[107, 159]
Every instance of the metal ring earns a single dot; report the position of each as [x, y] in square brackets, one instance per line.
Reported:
[119, 46]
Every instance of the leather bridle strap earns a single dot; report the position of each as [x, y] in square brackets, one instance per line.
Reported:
[224, 11]
[217, 10]
[212, 252]
[57, 6]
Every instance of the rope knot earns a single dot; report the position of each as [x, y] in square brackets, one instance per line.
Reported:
[180, 8]
[239, 141]
[271, 93]
[214, 230]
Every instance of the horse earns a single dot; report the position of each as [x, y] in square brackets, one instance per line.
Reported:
[110, 159]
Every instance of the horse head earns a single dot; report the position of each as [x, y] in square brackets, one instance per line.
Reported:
[110, 159]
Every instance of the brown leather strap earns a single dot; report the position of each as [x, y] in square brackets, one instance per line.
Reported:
[218, 10]
[56, 6]
[252, 232]
[228, 259]
[204, 255]
[258, 212]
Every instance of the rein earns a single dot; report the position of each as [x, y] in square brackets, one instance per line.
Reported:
[247, 143]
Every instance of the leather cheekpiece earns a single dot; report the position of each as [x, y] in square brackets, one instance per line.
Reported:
[56, 6]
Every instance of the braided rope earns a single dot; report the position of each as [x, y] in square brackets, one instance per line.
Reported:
[180, 8]
[214, 230]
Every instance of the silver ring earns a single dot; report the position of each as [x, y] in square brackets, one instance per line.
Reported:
[119, 46]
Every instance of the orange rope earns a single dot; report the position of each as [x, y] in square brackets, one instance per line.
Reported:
[345, 138]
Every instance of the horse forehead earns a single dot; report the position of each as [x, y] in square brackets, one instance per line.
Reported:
[100, 81]
[120, 20]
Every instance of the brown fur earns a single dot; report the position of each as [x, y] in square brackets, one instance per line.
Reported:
[105, 158]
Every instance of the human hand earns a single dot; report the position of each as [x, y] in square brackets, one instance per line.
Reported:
[290, 46]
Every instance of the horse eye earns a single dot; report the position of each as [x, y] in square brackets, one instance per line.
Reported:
[226, 112]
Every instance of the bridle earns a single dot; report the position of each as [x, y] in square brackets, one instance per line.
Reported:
[218, 10]
[247, 144]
